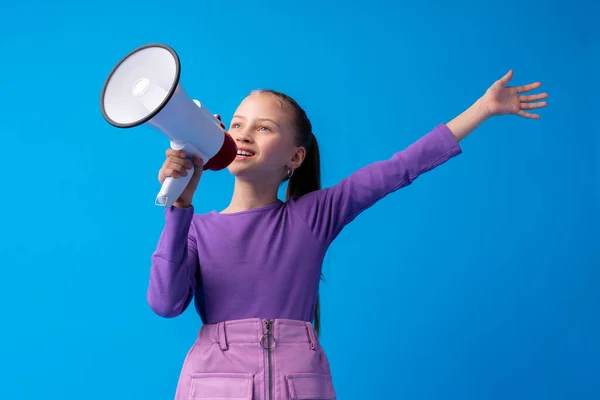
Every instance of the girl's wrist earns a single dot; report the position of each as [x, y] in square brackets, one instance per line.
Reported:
[469, 120]
[180, 204]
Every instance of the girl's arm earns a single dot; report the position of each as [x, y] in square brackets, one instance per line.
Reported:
[174, 265]
[327, 211]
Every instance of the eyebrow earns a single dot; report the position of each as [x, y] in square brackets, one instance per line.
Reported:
[258, 119]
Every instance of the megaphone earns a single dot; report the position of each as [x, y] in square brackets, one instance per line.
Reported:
[144, 89]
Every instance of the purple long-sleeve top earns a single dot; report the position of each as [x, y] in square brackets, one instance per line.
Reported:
[266, 262]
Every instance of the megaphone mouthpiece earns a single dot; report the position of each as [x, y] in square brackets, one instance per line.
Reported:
[224, 157]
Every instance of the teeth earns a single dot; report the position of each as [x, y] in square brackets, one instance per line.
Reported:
[244, 153]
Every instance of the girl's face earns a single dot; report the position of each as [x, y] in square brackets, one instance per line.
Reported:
[263, 131]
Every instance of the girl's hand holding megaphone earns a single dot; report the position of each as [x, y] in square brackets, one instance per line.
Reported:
[177, 165]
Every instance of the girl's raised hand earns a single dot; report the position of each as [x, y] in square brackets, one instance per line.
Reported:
[501, 99]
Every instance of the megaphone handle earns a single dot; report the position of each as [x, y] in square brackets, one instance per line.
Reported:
[172, 189]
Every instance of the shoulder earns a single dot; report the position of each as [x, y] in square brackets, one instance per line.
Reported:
[200, 219]
[311, 207]
[306, 201]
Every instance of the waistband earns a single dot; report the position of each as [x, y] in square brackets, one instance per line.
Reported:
[254, 330]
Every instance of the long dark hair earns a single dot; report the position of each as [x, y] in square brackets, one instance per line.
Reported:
[307, 177]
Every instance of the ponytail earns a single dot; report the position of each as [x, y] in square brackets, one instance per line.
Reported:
[306, 179]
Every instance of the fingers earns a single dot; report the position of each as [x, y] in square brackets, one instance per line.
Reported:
[529, 87]
[531, 106]
[219, 118]
[178, 157]
[525, 114]
[533, 97]
[198, 162]
[172, 170]
[176, 154]
[506, 78]
[520, 89]
[176, 165]
[193, 184]
[526, 104]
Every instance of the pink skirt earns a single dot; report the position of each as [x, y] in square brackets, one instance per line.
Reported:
[256, 359]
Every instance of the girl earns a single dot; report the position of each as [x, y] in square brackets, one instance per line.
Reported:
[254, 268]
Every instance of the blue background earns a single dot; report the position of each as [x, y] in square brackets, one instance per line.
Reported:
[479, 281]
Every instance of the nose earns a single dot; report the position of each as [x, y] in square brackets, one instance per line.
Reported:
[243, 137]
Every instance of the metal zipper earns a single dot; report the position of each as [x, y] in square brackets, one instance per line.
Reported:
[268, 347]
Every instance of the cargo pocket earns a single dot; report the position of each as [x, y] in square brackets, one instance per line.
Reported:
[310, 386]
[221, 386]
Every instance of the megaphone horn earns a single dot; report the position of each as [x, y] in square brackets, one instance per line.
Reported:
[144, 89]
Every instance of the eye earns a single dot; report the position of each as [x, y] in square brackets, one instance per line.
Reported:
[235, 126]
[265, 128]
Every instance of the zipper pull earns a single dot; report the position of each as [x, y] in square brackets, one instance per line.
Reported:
[270, 344]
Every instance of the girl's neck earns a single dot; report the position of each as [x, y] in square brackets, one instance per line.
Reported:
[249, 195]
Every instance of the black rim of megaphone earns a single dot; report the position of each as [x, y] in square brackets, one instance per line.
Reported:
[165, 101]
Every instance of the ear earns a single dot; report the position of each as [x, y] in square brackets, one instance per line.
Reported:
[297, 158]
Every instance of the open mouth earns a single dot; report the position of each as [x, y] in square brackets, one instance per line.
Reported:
[244, 154]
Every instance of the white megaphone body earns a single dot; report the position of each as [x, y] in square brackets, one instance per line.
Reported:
[143, 89]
